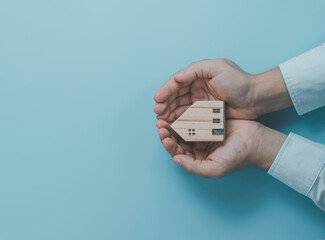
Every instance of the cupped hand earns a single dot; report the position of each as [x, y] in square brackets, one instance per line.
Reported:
[214, 159]
[247, 143]
[218, 79]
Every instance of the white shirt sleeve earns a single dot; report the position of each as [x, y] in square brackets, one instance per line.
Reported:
[300, 162]
[300, 165]
[304, 76]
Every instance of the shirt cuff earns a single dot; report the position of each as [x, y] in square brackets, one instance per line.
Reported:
[298, 163]
[304, 76]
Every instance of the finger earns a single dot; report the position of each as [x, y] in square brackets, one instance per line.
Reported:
[167, 90]
[163, 133]
[172, 147]
[177, 112]
[176, 137]
[165, 115]
[203, 168]
[184, 90]
[167, 109]
[161, 107]
[183, 78]
[166, 105]
[187, 147]
[200, 150]
[196, 70]
[163, 124]
[166, 131]
[180, 101]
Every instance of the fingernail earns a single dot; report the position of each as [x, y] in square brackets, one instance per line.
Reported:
[178, 160]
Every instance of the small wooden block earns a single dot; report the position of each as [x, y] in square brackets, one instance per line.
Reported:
[204, 121]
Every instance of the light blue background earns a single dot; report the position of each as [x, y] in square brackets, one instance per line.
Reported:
[80, 157]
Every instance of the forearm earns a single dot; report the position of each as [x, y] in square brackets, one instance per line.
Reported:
[270, 92]
[267, 144]
[294, 160]
[300, 82]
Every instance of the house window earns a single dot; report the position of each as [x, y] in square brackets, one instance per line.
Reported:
[216, 110]
[217, 131]
[216, 120]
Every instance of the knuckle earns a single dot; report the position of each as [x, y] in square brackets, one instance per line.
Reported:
[192, 65]
[221, 60]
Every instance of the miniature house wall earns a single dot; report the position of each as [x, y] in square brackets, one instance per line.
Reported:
[204, 121]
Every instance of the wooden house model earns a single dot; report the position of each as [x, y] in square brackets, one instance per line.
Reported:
[204, 121]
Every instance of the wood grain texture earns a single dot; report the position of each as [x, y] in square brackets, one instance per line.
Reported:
[204, 121]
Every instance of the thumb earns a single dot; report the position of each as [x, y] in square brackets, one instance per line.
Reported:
[196, 70]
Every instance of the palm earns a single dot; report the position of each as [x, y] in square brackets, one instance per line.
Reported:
[233, 154]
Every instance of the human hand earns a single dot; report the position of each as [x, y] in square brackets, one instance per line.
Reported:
[247, 143]
[247, 96]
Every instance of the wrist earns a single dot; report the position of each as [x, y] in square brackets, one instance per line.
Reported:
[268, 144]
[270, 92]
